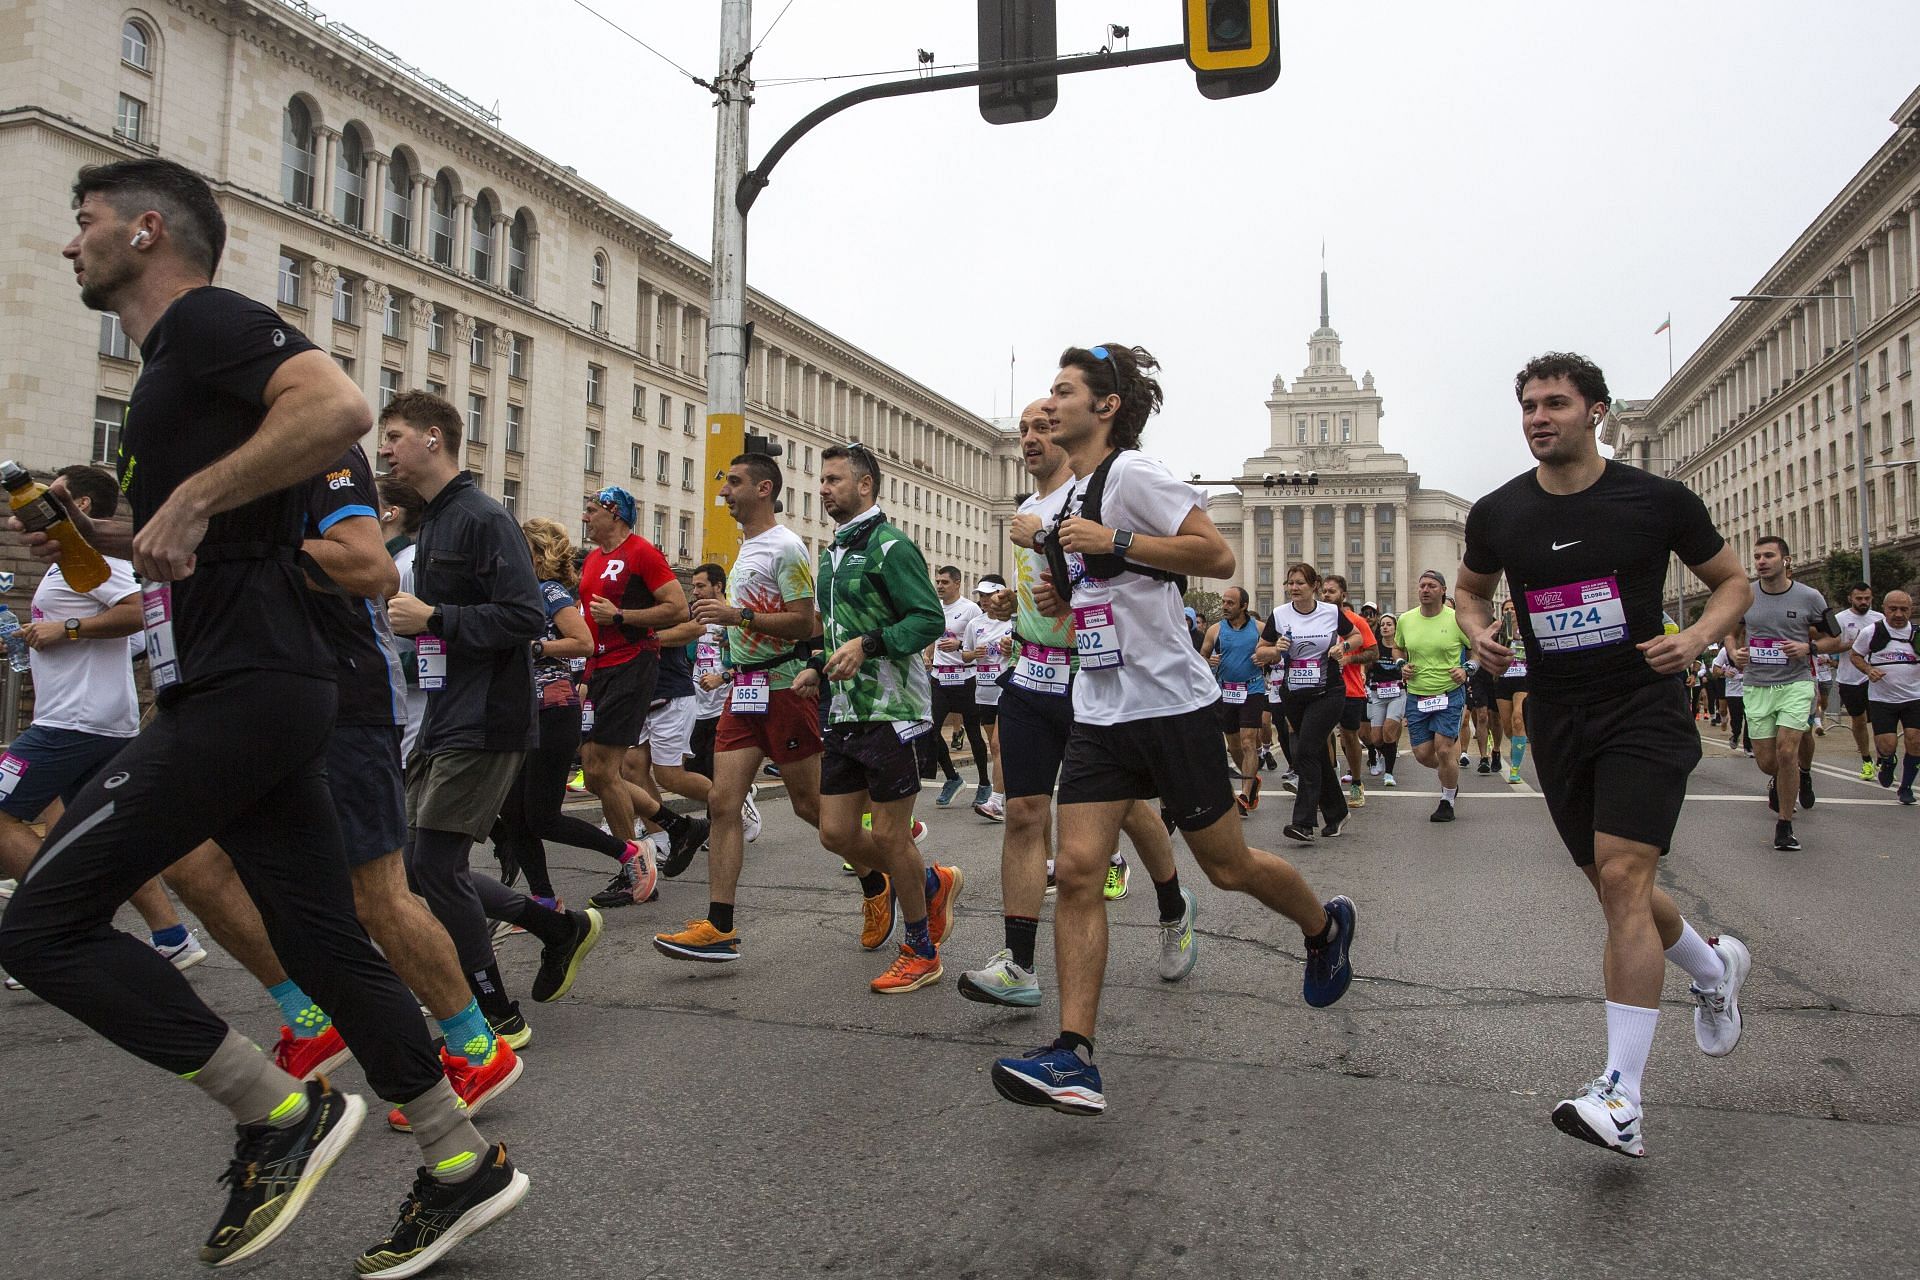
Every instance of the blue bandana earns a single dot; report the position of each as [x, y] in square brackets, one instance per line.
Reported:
[618, 501]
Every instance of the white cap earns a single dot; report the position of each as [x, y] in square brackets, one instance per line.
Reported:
[988, 588]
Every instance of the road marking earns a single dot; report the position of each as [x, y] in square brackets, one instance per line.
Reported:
[1534, 795]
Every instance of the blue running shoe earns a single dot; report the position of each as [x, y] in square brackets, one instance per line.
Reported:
[949, 791]
[1051, 1077]
[1328, 972]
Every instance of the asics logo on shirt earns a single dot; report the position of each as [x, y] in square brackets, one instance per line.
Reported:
[1562, 546]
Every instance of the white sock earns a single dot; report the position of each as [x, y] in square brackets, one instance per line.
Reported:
[661, 842]
[1629, 1041]
[999, 797]
[1701, 961]
[1449, 794]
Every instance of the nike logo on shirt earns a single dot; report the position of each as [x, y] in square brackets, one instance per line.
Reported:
[1562, 546]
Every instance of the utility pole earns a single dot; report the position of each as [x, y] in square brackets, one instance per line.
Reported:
[727, 303]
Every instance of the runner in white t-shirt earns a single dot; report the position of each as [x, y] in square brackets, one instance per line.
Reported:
[1858, 616]
[988, 648]
[1143, 718]
[1889, 665]
[953, 696]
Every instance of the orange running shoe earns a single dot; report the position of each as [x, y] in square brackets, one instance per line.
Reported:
[305, 1059]
[699, 941]
[473, 1083]
[909, 972]
[940, 905]
[878, 915]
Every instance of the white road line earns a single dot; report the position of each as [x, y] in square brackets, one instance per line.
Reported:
[1474, 797]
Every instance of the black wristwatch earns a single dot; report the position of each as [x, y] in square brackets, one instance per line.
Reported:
[873, 644]
[746, 618]
[1122, 541]
[434, 620]
[539, 648]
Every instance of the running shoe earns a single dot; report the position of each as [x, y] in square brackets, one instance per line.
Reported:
[1784, 839]
[940, 902]
[909, 971]
[1806, 788]
[1485, 766]
[1053, 886]
[1464, 759]
[1716, 1015]
[1001, 982]
[513, 1029]
[560, 962]
[846, 869]
[437, 1215]
[1882, 772]
[1329, 969]
[1819, 729]
[1267, 762]
[1337, 827]
[1868, 773]
[185, 954]
[919, 833]
[274, 1171]
[577, 781]
[1253, 793]
[1357, 796]
[1179, 949]
[11, 983]
[1240, 803]
[1442, 812]
[1346, 778]
[1294, 831]
[992, 810]
[1290, 782]
[878, 915]
[303, 1059]
[1051, 1077]
[619, 890]
[646, 877]
[750, 815]
[1377, 768]
[1386, 780]
[1603, 1115]
[949, 790]
[682, 847]
[770, 769]
[1118, 874]
[982, 794]
[1513, 775]
[1904, 795]
[955, 739]
[473, 1083]
[699, 941]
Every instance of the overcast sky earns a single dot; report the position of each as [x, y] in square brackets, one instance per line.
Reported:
[1491, 180]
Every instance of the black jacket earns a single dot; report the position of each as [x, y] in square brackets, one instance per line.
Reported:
[471, 562]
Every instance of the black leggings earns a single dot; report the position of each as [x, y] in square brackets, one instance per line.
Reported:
[1737, 736]
[531, 813]
[932, 747]
[1313, 717]
[238, 759]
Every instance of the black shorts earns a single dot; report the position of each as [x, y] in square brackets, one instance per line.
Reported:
[1245, 715]
[869, 758]
[369, 790]
[1480, 692]
[701, 761]
[1889, 716]
[620, 697]
[1034, 728]
[987, 713]
[951, 698]
[1617, 767]
[1176, 758]
[1853, 700]
[1507, 688]
[1353, 713]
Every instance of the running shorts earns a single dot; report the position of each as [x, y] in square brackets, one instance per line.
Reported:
[1246, 715]
[1853, 699]
[1889, 716]
[668, 732]
[1353, 714]
[1380, 710]
[1034, 728]
[1617, 767]
[45, 764]
[1778, 706]
[1480, 692]
[1176, 758]
[620, 697]
[788, 730]
[870, 757]
[1444, 723]
[460, 791]
[369, 790]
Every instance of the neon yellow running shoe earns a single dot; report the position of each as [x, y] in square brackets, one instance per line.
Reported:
[1117, 875]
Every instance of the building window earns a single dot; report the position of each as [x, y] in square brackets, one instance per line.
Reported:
[1346, 429]
[436, 388]
[437, 331]
[686, 474]
[1323, 516]
[1386, 574]
[109, 416]
[1293, 547]
[345, 363]
[660, 466]
[477, 346]
[1264, 575]
[136, 48]
[289, 283]
[1356, 547]
[659, 527]
[596, 317]
[1324, 430]
[596, 378]
[686, 425]
[389, 386]
[113, 339]
[516, 356]
[349, 191]
[510, 497]
[476, 419]
[399, 197]
[666, 410]
[639, 402]
[480, 240]
[600, 269]
[440, 221]
[393, 322]
[809, 456]
[128, 118]
[636, 461]
[517, 239]
[593, 451]
[296, 155]
[514, 414]
[686, 537]
[1906, 423]
[343, 301]
[1300, 430]
[1386, 546]
[1323, 547]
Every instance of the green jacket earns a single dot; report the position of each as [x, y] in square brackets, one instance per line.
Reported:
[881, 584]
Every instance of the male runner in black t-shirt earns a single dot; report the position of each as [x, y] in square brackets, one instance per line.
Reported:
[1584, 544]
[233, 409]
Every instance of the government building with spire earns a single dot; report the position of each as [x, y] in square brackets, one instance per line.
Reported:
[1368, 519]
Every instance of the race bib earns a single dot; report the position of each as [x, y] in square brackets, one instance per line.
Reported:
[1580, 615]
[1042, 670]
[156, 612]
[1387, 691]
[1766, 651]
[1516, 670]
[952, 675]
[1305, 673]
[750, 695]
[1438, 702]
[706, 658]
[586, 717]
[1233, 693]
[430, 654]
[1097, 637]
[12, 769]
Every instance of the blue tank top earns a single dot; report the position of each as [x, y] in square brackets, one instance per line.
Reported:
[1236, 656]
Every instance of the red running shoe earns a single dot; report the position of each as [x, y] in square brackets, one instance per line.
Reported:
[305, 1059]
[473, 1084]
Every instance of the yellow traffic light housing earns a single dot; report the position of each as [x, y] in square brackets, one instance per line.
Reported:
[1233, 46]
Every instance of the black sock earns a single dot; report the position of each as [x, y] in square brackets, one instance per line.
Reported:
[669, 821]
[872, 883]
[1173, 903]
[1021, 933]
[551, 927]
[1387, 754]
[720, 916]
[491, 993]
[1326, 933]
[1076, 1043]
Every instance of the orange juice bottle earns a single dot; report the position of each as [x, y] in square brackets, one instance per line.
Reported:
[83, 567]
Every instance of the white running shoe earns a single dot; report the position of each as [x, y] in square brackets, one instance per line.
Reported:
[992, 810]
[1602, 1114]
[750, 816]
[11, 983]
[1178, 947]
[1001, 982]
[1346, 778]
[1716, 1018]
[1386, 780]
[1376, 768]
[919, 833]
[186, 955]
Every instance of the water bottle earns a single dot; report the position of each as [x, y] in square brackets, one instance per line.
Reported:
[16, 640]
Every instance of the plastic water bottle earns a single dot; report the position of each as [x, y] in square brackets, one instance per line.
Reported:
[16, 640]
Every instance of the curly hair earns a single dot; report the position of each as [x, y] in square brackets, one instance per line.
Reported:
[1577, 369]
[1115, 369]
[552, 551]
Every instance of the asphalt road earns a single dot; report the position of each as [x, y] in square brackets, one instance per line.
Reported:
[772, 1118]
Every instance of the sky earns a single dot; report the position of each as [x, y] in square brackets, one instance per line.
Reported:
[1490, 180]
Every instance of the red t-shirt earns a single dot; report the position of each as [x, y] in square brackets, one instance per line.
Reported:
[1355, 673]
[627, 577]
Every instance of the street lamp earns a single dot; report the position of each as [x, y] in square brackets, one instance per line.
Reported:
[1859, 386]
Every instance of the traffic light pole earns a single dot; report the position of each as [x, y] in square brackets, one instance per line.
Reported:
[727, 300]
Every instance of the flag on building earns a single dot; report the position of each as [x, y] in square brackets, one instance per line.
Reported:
[1664, 325]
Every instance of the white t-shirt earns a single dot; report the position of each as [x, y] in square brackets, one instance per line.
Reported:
[85, 685]
[948, 666]
[1898, 661]
[996, 637]
[1736, 679]
[1851, 625]
[1160, 673]
[1310, 637]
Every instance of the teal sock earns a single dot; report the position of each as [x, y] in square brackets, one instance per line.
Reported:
[305, 1017]
[1518, 751]
[468, 1035]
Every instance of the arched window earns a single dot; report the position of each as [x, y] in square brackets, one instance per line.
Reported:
[440, 222]
[136, 46]
[480, 241]
[296, 154]
[349, 186]
[517, 240]
[399, 201]
[599, 268]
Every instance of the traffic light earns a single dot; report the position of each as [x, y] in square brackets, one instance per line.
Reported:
[1270, 481]
[1017, 31]
[1233, 46]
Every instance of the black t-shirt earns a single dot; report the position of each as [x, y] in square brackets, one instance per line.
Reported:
[675, 677]
[1586, 572]
[372, 686]
[246, 606]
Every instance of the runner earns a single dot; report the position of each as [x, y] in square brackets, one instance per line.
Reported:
[1483, 720]
[657, 763]
[1229, 649]
[1437, 668]
[1773, 646]
[877, 616]
[1144, 723]
[709, 582]
[233, 409]
[1353, 669]
[1584, 544]
[401, 511]
[1825, 669]
[953, 695]
[1858, 616]
[1386, 702]
[1885, 653]
[989, 647]
[1510, 691]
[1734, 695]
[1310, 638]
[1037, 707]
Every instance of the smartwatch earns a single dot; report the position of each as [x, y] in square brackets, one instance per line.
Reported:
[434, 619]
[746, 617]
[873, 645]
[1122, 541]
[539, 648]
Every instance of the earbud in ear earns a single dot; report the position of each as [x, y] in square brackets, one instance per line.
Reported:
[140, 237]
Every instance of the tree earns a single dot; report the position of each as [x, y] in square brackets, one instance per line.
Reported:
[1206, 604]
[1840, 570]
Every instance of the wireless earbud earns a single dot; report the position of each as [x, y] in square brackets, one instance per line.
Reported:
[139, 238]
